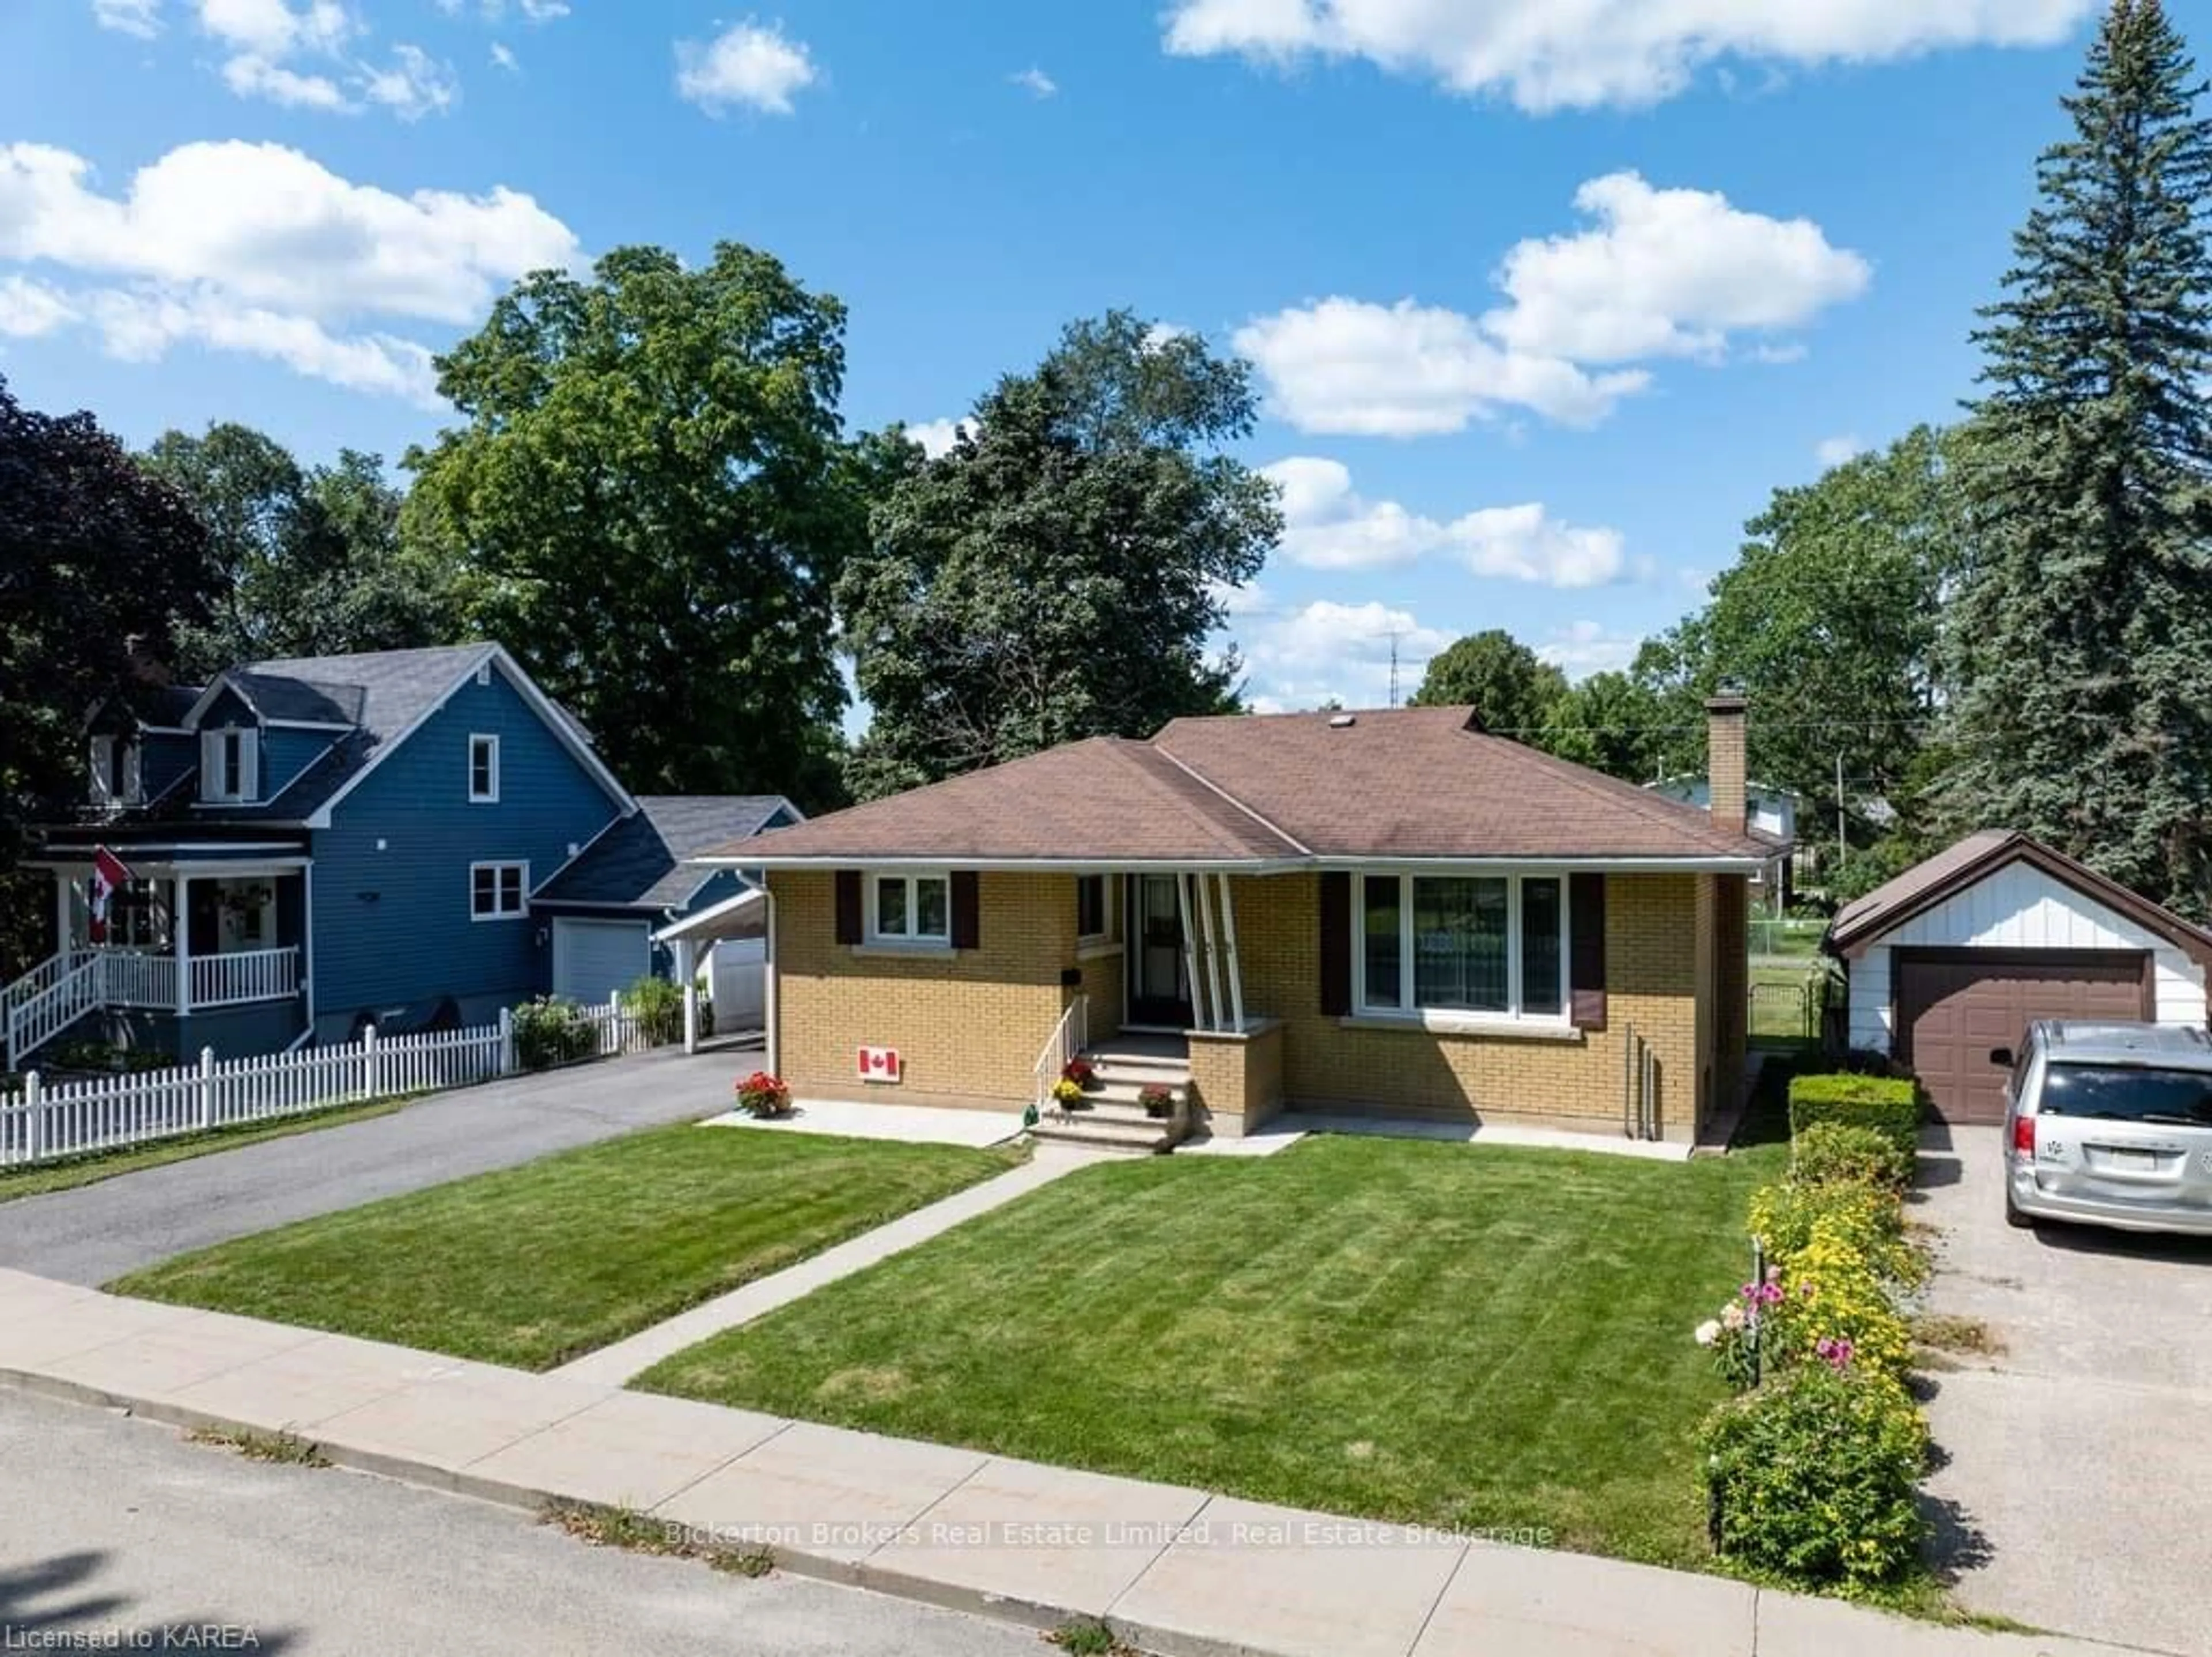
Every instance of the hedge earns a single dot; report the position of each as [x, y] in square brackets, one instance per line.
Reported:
[1889, 1104]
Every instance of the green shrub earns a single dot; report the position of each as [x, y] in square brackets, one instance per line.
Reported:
[1864, 1219]
[1847, 1153]
[550, 1031]
[658, 1007]
[1889, 1104]
[1815, 1474]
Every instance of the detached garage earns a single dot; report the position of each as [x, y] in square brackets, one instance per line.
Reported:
[1957, 955]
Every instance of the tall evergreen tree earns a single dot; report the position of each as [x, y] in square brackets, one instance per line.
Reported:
[2080, 640]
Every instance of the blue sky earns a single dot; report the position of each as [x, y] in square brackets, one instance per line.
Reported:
[1546, 297]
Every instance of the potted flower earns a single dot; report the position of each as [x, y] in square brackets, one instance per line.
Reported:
[1080, 1071]
[761, 1095]
[1158, 1100]
[1068, 1095]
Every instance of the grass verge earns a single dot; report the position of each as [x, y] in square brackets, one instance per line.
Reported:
[1456, 1335]
[636, 1533]
[534, 1266]
[107, 1165]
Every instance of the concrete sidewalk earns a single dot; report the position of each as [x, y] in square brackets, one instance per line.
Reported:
[1175, 1571]
[612, 1365]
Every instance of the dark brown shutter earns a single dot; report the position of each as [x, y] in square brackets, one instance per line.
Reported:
[1335, 944]
[1586, 950]
[848, 905]
[967, 910]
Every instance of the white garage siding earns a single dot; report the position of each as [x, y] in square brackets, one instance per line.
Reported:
[593, 960]
[2018, 907]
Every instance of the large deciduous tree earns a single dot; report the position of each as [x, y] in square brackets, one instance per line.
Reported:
[1056, 575]
[309, 562]
[650, 501]
[1829, 620]
[98, 565]
[2080, 637]
[1610, 722]
[1511, 690]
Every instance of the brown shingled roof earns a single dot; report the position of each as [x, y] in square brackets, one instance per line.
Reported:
[1865, 920]
[1281, 789]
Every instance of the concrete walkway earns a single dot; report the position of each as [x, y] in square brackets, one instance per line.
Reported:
[612, 1365]
[1175, 1571]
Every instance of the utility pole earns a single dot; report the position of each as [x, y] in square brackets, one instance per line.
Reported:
[1842, 850]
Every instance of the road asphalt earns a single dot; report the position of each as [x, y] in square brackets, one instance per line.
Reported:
[97, 1232]
[120, 1529]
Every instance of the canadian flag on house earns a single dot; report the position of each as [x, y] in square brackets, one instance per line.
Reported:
[879, 1064]
[109, 871]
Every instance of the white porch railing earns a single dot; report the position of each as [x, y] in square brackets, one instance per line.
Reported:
[131, 978]
[253, 975]
[35, 1016]
[1069, 1037]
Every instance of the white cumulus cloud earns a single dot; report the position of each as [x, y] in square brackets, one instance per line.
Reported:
[1666, 273]
[1583, 648]
[256, 248]
[29, 309]
[1663, 273]
[1832, 451]
[140, 17]
[1035, 82]
[413, 85]
[1328, 525]
[1554, 54]
[252, 76]
[749, 64]
[1327, 651]
[936, 436]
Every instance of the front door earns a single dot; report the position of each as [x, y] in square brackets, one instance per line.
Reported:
[1159, 985]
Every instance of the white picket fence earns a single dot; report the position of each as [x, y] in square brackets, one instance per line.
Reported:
[44, 1122]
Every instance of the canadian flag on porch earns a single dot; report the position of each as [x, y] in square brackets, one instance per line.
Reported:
[108, 872]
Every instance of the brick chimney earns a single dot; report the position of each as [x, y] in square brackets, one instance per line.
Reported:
[1724, 757]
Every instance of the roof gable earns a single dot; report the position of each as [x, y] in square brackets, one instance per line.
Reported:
[1864, 922]
[640, 859]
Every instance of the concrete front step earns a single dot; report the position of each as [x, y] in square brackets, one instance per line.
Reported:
[1105, 1107]
[1140, 1138]
[1138, 1068]
[1112, 1091]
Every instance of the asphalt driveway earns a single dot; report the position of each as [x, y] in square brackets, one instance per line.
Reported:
[2078, 1470]
[98, 1232]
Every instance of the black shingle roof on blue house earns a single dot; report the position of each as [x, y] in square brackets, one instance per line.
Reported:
[639, 861]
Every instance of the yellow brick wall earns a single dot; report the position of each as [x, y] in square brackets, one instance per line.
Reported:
[969, 1024]
[1652, 981]
[1238, 1081]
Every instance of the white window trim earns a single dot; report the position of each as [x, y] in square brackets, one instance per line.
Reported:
[490, 797]
[214, 756]
[521, 910]
[1454, 1020]
[874, 938]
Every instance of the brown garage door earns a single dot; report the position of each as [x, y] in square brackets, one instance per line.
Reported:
[1954, 1006]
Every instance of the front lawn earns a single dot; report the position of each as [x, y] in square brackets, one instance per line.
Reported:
[535, 1265]
[1442, 1334]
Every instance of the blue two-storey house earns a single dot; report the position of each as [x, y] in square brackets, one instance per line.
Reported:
[409, 839]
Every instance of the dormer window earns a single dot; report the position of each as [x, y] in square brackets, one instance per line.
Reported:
[115, 771]
[230, 763]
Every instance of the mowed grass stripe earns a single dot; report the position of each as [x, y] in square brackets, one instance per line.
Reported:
[534, 1266]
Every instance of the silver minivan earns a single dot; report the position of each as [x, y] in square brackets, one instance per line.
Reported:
[2110, 1124]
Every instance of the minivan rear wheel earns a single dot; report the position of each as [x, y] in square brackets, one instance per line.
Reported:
[2014, 1217]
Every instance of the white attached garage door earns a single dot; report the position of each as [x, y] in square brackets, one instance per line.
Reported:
[739, 981]
[593, 960]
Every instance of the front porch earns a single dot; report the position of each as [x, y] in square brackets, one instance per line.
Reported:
[180, 941]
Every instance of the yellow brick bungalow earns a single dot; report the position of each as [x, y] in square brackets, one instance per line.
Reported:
[1385, 912]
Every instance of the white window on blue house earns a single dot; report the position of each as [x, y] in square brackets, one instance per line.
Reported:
[1488, 946]
[115, 771]
[911, 909]
[483, 769]
[230, 765]
[498, 891]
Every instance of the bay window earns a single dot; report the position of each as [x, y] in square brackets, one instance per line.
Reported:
[1488, 945]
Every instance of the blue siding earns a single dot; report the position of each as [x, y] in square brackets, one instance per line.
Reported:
[163, 760]
[392, 927]
[285, 754]
[232, 1032]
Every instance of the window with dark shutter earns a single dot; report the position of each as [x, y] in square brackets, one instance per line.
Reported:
[1586, 951]
[967, 910]
[1335, 944]
[848, 905]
